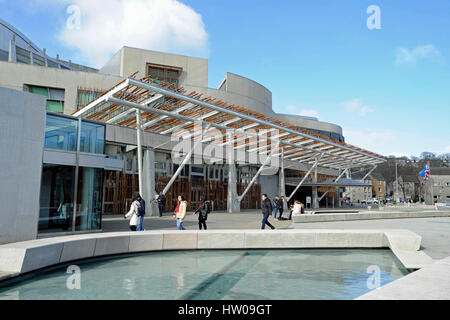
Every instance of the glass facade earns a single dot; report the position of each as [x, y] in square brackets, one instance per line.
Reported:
[89, 199]
[61, 133]
[71, 195]
[92, 138]
[56, 199]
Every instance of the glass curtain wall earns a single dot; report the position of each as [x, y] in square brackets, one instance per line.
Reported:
[56, 199]
[61, 184]
[89, 199]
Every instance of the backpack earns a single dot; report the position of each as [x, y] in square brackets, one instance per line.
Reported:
[141, 209]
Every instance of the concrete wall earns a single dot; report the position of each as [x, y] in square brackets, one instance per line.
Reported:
[22, 127]
[251, 89]
[195, 70]
[28, 256]
[15, 75]
[311, 124]
[269, 185]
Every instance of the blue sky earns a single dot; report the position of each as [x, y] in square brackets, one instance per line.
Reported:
[389, 88]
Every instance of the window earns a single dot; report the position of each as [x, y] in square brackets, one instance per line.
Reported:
[52, 64]
[197, 171]
[214, 173]
[38, 60]
[4, 55]
[55, 97]
[184, 172]
[165, 73]
[61, 133]
[56, 198]
[160, 166]
[92, 138]
[22, 55]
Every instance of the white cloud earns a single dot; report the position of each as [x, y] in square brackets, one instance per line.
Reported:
[399, 155]
[446, 150]
[425, 52]
[162, 25]
[355, 106]
[302, 112]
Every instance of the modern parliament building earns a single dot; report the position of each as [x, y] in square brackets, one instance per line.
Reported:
[78, 142]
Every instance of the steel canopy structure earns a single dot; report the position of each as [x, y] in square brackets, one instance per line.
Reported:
[158, 107]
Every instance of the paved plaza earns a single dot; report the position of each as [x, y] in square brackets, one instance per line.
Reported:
[435, 232]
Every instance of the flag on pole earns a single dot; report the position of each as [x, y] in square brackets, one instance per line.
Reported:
[425, 173]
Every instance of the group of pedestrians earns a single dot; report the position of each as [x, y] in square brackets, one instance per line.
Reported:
[278, 207]
[137, 212]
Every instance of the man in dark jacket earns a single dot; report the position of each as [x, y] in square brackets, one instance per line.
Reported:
[161, 201]
[266, 211]
[141, 213]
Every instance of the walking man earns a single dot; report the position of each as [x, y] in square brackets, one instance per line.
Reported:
[275, 203]
[161, 201]
[141, 213]
[266, 211]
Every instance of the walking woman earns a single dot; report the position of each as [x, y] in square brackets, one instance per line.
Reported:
[203, 210]
[133, 213]
[180, 212]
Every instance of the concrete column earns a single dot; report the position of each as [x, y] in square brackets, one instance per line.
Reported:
[12, 50]
[338, 198]
[315, 199]
[281, 180]
[139, 148]
[233, 205]
[148, 183]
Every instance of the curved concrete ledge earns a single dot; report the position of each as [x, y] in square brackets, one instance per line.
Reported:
[372, 215]
[429, 283]
[22, 257]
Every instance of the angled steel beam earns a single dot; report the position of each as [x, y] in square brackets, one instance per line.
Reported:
[368, 173]
[127, 112]
[322, 196]
[341, 175]
[103, 98]
[305, 177]
[185, 160]
[239, 198]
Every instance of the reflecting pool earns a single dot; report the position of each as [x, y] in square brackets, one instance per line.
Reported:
[215, 274]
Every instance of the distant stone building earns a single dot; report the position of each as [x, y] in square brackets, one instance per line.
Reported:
[378, 189]
[440, 179]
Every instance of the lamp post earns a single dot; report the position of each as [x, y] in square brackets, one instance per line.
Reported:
[396, 182]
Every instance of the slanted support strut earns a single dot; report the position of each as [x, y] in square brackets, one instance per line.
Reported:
[305, 177]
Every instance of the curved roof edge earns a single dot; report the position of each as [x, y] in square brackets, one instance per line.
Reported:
[248, 79]
[20, 34]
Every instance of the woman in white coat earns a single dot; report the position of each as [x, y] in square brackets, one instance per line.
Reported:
[134, 209]
[297, 208]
